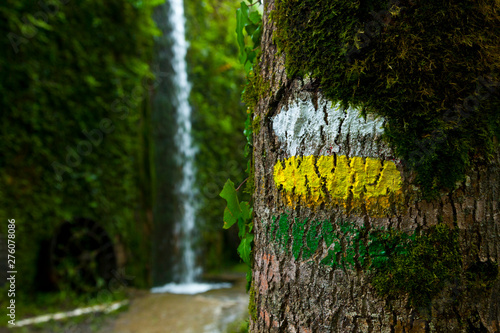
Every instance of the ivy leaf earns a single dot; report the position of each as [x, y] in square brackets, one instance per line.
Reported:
[251, 54]
[241, 22]
[248, 66]
[245, 248]
[243, 57]
[250, 28]
[235, 212]
[255, 17]
[233, 209]
[246, 215]
[256, 35]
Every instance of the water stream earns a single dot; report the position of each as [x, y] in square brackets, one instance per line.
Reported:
[185, 229]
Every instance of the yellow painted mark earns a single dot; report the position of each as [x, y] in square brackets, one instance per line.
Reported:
[352, 182]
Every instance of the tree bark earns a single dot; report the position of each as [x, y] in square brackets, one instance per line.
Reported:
[316, 162]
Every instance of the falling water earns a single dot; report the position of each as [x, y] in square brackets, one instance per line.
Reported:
[183, 139]
[185, 229]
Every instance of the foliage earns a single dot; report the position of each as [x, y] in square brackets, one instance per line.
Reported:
[430, 68]
[238, 327]
[73, 85]
[241, 215]
[218, 118]
[249, 21]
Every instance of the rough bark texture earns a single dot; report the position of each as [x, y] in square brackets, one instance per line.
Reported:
[292, 290]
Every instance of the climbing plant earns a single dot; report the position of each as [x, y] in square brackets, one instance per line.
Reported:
[248, 33]
[248, 23]
[239, 213]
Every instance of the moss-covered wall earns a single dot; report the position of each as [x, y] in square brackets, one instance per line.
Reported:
[431, 68]
[75, 82]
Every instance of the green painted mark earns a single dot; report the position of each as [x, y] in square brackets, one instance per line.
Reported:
[327, 232]
[282, 235]
[272, 227]
[312, 240]
[417, 264]
[331, 258]
[298, 231]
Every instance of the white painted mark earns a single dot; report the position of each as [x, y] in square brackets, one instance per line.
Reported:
[304, 130]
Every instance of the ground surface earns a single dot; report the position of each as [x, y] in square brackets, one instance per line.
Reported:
[209, 312]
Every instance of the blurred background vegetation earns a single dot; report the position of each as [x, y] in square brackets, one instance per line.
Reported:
[76, 82]
[218, 79]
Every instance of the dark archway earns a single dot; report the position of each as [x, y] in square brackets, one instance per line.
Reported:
[82, 256]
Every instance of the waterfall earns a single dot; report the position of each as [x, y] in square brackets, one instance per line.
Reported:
[186, 190]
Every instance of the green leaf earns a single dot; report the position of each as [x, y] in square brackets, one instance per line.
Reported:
[248, 66]
[246, 211]
[234, 211]
[251, 56]
[250, 28]
[243, 57]
[245, 248]
[241, 22]
[255, 17]
[256, 36]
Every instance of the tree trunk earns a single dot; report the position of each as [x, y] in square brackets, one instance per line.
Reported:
[330, 197]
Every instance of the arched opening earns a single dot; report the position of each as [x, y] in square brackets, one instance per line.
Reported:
[82, 256]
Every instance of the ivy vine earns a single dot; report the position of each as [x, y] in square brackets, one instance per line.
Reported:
[248, 32]
[241, 215]
[248, 23]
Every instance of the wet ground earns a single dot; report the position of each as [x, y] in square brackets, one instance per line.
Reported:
[210, 312]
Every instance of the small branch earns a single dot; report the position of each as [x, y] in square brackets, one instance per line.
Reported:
[241, 184]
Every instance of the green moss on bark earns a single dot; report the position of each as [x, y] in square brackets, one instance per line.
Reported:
[431, 68]
[252, 308]
[417, 265]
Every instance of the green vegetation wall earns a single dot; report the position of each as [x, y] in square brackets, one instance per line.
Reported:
[217, 81]
[74, 78]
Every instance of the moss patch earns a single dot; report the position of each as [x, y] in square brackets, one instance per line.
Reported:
[252, 308]
[255, 89]
[418, 265]
[482, 275]
[431, 68]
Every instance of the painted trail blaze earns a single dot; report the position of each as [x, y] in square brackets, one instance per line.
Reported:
[353, 183]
